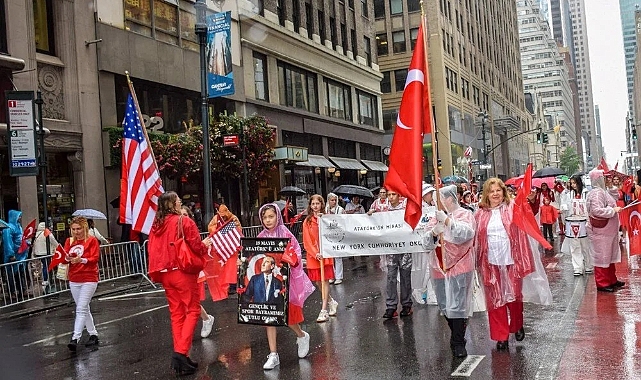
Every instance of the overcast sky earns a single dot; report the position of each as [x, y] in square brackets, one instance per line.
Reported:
[607, 62]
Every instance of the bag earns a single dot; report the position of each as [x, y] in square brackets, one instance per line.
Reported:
[188, 261]
[62, 272]
[598, 222]
[478, 295]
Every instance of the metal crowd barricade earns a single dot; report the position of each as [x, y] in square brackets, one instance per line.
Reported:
[30, 279]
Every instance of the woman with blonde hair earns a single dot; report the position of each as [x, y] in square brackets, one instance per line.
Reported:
[311, 242]
[83, 253]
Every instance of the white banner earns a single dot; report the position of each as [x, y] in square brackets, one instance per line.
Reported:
[381, 233]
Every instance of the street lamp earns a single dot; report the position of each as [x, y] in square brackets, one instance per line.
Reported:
[201, 31]
[484, 118]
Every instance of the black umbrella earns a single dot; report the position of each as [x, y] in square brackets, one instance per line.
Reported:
[351, 190]
[115, 203]
[548, 172]
[291, 191]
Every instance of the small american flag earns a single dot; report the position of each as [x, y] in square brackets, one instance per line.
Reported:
[140, 184]
[226, 241]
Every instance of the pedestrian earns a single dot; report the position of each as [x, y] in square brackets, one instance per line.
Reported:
[334, 208]
[576, 234]
[208, 320]
[12, 254]
[461, 192]
[93, 231]
[181, 288]
[300, 287]
[603, 232]
[453, 272]
[398, 263]
[354, 206]
[421, 285]
[381, 203]
[549, 215]
[223, 278]
[504, 258]
[39, 250]
[83, 254]
[311, 242]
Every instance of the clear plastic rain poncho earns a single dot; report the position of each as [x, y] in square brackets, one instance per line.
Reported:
[453, 270]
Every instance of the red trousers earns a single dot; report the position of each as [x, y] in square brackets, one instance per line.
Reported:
[500, 328]
[605, 277]
[183, 296]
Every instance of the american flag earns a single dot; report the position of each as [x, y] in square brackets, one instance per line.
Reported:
[226, 241]
[140, 184]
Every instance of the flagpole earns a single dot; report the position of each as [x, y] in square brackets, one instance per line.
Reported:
[434, 129]
[142, 122]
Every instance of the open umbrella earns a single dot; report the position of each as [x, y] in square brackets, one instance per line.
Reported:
[454, 179]
[90, 213]
[350, 190]
[291, 191]
[3, 224]
[515, 181]
[115, 203]
[548, 171]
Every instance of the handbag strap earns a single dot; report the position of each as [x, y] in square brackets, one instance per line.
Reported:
[181, 233]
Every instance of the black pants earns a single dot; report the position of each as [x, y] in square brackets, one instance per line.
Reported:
[457, 329]
[547, 231]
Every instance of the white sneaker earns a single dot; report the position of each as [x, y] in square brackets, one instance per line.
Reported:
[338, 282]
[333, 308]
[417, 294]
[207, 326]
[323, 316]
[272, 361]
[303, 345]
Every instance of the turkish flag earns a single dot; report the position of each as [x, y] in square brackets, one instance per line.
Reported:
[631, 216]
[58, 257]
[27, 235]
[290, 256]
[405, 175]
[603, 165]
[523, 216]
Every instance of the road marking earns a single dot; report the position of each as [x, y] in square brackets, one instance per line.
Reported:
[550, 266]
[468, 365]
[97, 325]
[131, 295]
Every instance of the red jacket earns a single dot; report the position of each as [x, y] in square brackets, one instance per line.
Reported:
[161, 255]
[88, 249]
[549, 214]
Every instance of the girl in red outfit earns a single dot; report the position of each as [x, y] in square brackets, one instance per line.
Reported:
[181, 288]
[549, 214]
[83, 252]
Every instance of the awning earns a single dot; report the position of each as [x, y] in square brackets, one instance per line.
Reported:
[375, 165]
[347, 163]
[316, 161]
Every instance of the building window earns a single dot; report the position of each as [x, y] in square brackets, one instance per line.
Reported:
[381, 44]
[339, 100]
[389, 120]
[350, 3]
[188, 36]
[344, 37]
[368, 50]
[332, 32]
[260, 77]
[354, 43]
[43, 24]
[364, 5]
[297, 87]
[413, 36]
[280, 9]
[386, 84]
[366, 108]
[166, 21]
[309, 16]
[396, 7]
[321, 27]
[296, 15]
[398, 41]
[413, 5]
[171, 23]
[379, 8]
[400, 76]
[3, 30]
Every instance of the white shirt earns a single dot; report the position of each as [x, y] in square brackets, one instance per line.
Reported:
[268, 281]
[498, 241]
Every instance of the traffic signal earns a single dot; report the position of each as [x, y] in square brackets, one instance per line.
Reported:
[544, 138]
[538, 138]
[439, 164]
[634, 133]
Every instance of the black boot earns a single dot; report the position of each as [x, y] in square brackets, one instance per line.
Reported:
[180, 364]
[457, 342]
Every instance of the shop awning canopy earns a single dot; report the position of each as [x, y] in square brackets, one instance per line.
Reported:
[316, 161]
[376, 166]
[347, 163]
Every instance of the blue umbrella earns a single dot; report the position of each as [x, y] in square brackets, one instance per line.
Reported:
[3, 224]
[90, 213]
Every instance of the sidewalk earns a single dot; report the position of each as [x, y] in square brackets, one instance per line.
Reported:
[606, 342]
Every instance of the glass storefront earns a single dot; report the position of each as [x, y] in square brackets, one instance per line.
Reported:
[60, 195]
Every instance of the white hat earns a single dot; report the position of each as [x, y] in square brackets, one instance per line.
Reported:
[427, 188]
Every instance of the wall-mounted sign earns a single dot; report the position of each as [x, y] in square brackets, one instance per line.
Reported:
[21, 130]
[231, 140]
[290, 153]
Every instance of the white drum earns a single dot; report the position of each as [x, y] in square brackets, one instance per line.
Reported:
[575, 227]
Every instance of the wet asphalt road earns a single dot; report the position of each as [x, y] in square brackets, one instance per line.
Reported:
[135, 338]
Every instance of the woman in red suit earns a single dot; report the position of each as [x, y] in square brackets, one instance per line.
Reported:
[83, 252]
[181, 288]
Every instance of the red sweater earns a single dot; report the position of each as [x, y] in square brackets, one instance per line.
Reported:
[549, 214]
[88, 249]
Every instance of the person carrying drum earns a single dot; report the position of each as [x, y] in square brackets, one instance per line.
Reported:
[576, 240]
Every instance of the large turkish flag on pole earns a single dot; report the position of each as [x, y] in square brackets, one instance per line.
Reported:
[405, 174]
[631, 218]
